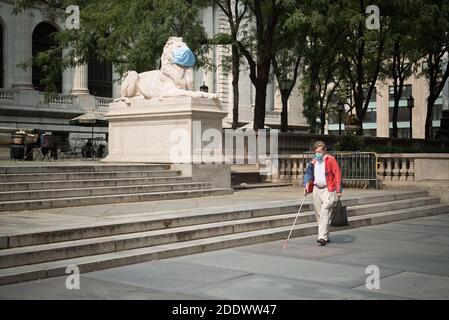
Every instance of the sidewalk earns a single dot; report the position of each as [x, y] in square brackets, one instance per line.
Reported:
[412, 256]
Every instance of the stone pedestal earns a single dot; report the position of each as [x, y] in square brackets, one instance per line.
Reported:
[184, 132]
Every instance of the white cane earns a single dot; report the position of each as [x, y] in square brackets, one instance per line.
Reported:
[291, 230]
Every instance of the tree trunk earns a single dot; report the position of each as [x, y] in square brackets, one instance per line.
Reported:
[235, 86]
[396, 94]
[430, 103]
[284, 114]
[259, 109]
[323, 122]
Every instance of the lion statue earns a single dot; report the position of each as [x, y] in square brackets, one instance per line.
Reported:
[175, 79]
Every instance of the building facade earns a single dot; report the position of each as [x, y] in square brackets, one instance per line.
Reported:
[378, 119]
[94, 85]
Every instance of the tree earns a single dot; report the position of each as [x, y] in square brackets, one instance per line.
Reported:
[402, 50]
[325, 30]
[259, 51]
[363, 56]
[128, 34]
[289, 45]
[433, 39]
[235, 12]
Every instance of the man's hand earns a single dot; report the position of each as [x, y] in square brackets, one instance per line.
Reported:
[339, 195]
[305, 191]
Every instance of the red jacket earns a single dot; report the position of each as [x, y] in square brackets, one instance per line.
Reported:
[333, 174]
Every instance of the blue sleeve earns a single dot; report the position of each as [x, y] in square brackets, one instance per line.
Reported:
[308, 175]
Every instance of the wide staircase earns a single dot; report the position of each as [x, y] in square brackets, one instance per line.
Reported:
[47, 253]
[28, 187]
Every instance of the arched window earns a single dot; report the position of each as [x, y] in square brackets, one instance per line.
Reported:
[99, 78]
[1, 56]
[42, 41]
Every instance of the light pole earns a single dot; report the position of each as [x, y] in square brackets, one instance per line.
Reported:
[204, 88]
[340, 109]
[284, 86]
[410, 106]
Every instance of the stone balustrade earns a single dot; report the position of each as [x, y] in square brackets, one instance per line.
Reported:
[396, 167]
[7, 95]
[61, 100]
[102, 103]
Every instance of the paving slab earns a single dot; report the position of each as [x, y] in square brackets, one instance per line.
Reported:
[414, 285]
[90, 289]
[295, 250]
[413, 228]
[264, 287]
[167, 275]
[346, 276]
[436, 265]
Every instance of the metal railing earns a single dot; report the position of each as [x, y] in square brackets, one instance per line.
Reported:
[358, 169]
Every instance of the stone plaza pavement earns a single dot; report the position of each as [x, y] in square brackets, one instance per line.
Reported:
[412, 257]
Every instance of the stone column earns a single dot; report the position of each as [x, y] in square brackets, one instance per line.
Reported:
[23, 46]
[80, 80]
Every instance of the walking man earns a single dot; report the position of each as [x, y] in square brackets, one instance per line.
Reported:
[323, 178]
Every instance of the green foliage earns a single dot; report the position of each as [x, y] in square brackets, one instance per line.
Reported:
[128, 34]
[349, 142]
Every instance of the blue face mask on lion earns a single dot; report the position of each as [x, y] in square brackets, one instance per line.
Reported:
[183, 57]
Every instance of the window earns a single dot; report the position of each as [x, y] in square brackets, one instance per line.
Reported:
[406, 92]
[437, 112]
[43, 41]
[402, 133]
[99, 78]
[403, 111]
[373, 95]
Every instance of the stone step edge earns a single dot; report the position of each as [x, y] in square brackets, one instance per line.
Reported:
[101, 188]
[79, 173]
[16, 239]
[235, 224]
[94, 168]
[89, 180]
[128, 257]
[104, 196]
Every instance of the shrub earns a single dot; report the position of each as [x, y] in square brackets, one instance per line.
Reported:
[349, 142]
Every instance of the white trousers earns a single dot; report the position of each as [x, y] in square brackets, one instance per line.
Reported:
[323, 201]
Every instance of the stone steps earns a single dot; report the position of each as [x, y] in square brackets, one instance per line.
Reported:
[30, 177]
[131, 256]
[100, 191]
[183, 218]
[96, 167]
[97, 245]
[68, 184]
[108, 199]
[30, 187]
